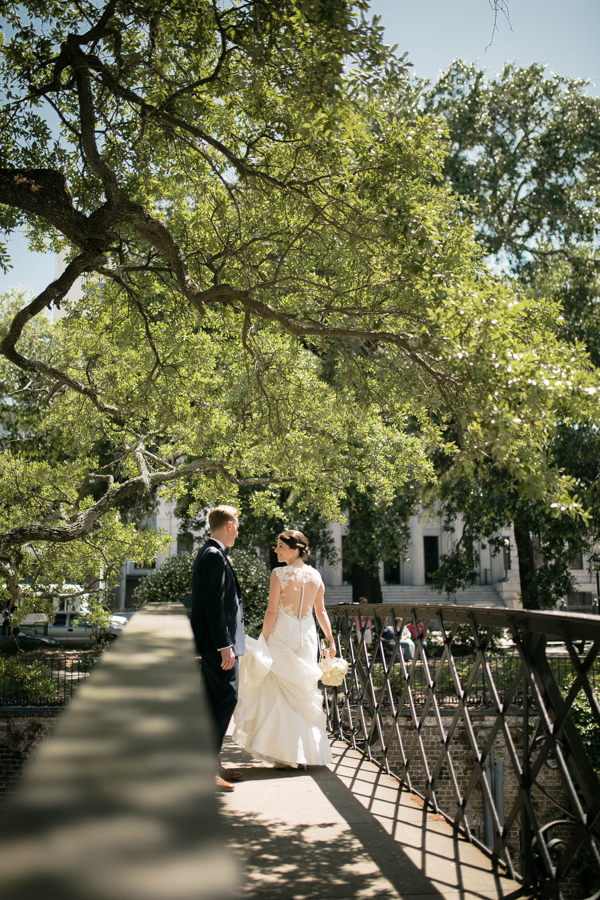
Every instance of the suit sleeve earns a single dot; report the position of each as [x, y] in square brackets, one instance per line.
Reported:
[213, 575]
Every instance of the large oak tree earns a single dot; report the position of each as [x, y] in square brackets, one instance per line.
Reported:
[280, 287]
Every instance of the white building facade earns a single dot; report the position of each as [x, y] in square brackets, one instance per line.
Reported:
[404, 580]
[407, 579]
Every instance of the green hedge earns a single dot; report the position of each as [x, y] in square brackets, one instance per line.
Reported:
[173, 581]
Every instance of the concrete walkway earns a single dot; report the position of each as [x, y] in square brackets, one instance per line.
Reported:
[346, 831]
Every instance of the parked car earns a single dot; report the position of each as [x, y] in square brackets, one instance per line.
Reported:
[117, 624]
[73, 627]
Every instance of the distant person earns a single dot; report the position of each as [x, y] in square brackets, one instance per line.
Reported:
[363, 624]
[421, 632]
[407, 645]
[388, 639]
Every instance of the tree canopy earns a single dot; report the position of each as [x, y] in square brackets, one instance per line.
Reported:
[525, 146]
[281, 288]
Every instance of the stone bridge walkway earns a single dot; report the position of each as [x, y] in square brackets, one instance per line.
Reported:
[344, 832]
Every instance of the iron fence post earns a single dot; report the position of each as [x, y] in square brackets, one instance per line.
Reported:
[525, 831]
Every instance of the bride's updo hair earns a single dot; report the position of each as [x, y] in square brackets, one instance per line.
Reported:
[297, 541]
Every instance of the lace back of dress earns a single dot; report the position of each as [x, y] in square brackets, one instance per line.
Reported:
[290, 589]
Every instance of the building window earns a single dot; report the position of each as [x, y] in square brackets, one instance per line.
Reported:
[580, 599]
[506, 554]
[185, 543]
[130, 586]
[575, 559]
[149, 523]
[432, 556]
[391, 571]
[147, 564]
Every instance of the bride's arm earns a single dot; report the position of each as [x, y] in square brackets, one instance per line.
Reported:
[324, 619]
[272, 605]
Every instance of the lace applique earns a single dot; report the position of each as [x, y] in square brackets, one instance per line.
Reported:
[298, 577]
[289, 610]
[290, 573]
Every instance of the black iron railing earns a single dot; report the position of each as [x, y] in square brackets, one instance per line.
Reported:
[66, 673]
[505, 747]
[502, 669]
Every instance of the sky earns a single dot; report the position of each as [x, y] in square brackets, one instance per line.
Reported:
[564, 34]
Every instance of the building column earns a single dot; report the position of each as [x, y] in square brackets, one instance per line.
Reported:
[415, 573]
[120, 592]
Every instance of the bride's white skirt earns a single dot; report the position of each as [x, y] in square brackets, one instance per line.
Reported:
[279, 716]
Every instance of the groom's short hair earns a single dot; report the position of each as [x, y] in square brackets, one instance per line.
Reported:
[221, 515]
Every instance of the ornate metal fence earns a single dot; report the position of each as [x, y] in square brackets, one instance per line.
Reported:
[66, 674]
[506, 747]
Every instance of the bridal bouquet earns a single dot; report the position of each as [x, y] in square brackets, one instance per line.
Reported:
[334, 670]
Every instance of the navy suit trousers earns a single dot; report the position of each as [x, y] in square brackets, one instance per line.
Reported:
[221, 691]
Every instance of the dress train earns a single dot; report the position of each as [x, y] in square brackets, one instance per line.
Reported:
[279, 716]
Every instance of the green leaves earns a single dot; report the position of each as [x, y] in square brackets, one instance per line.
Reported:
[34, 678]
[281, 290]
[524, 146]
[173, 581]
[169, 584]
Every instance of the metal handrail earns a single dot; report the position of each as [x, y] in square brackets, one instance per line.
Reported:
[545, 836]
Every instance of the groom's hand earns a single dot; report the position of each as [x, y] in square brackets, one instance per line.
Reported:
[227, 658]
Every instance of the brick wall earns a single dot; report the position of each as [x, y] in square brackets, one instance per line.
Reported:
[462, 761]
[19, 736]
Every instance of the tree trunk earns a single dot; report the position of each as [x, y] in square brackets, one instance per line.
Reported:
[526, 565]
[364, 549]
[365, 584]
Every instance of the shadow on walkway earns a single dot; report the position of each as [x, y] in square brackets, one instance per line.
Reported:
[347, 831]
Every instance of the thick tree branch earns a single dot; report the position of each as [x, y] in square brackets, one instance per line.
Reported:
[45, 193]
[87, 118]
[54, 293]
[159, 236]
[83, 523]
[225, 293]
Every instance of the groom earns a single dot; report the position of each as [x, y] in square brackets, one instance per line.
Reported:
[218, 625]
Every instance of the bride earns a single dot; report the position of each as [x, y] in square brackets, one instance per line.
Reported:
[279, 716]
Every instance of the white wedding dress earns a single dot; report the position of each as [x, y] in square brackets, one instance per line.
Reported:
[279, 716]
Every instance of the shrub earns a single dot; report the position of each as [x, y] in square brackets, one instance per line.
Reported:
[584, 868]
[589, 732]
[464, 642]
[169, 583]
[254, 579]
[34, 678]
[173, 581]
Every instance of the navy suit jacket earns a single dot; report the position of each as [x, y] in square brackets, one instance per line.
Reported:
[217, 615]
